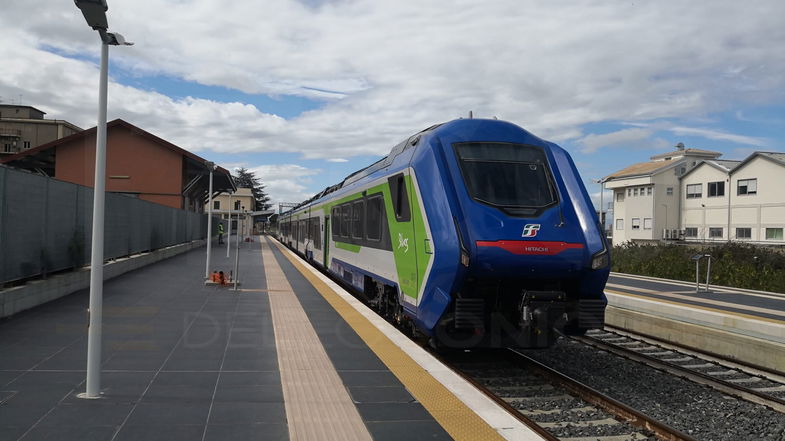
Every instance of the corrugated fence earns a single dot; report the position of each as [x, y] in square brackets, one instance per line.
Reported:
[46, 225]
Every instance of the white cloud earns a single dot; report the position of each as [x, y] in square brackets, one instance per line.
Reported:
[337, 160]
[383, 71]
[591, 143]
[285, 182]
[719, 135]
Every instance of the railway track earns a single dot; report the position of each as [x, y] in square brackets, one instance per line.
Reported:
[556, 406]
[757, 386]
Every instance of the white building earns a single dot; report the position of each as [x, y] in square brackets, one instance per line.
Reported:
[646, 196]
[735, 200]
[238, 206]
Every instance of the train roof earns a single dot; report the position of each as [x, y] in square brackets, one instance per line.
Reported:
[397, 150]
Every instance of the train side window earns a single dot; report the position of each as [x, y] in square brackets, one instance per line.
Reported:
[400, 198]
[373, 218]
[336, 221]
[346, 218]
[357, 219]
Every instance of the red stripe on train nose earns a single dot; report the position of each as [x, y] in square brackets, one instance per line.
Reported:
[546, 248]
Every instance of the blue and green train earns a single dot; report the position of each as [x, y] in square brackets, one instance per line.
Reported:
[474, 232]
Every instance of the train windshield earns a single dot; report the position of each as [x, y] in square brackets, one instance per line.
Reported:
[506, 175]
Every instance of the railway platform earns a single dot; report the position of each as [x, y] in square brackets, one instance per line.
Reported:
[288, 356]
[744, 325]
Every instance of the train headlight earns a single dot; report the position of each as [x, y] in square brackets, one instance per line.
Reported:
[600, 260]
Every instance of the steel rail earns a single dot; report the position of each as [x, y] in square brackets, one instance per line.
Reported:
[723, 386]
[610, 405]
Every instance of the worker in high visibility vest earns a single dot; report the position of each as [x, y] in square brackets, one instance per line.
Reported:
[220, 233]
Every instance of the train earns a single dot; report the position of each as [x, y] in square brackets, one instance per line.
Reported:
[473, 233]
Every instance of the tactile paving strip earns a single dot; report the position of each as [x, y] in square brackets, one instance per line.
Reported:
[318, 406]
[449, 411]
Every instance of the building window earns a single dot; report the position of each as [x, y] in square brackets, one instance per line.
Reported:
[691, 232]
[747, 186]
[773, 233]
[236, 205]
[716, 189]
[216, 205]
[636, 223]
[648, 191]
[8, 148]
[26, 144]
[619, 224]
[715, 232]
[694, 191]
[743, 233]
[635, 191]
[669, 191]
[620, 196]
[647, 223]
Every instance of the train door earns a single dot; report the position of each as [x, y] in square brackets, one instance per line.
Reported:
[402, 232]
[326, 234]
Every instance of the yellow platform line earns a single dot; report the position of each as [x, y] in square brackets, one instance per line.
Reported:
[451, 413]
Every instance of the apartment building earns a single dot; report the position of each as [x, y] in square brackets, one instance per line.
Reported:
[735, 200]
[646, 196]
[24, 127]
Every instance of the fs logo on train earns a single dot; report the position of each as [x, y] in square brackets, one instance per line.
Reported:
[530, 230]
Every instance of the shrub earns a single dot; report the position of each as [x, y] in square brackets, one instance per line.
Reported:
[732, 264]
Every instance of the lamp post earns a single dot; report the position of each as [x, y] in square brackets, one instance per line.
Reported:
[229, 229]
[602, 190]
[94, 12]
[210, 166]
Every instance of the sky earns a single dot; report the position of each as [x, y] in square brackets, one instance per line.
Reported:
[304, 92]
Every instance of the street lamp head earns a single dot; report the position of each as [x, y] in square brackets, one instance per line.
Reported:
[94, 12]
[115, 39]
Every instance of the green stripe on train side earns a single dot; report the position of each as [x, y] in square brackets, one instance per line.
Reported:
[407, 238]
[348, 247]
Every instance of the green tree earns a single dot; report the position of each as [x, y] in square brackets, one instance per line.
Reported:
[247, 179]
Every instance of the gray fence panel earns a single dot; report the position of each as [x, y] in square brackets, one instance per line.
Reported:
[61, 235]
[46, 225]
[24, 211]
[3, 209]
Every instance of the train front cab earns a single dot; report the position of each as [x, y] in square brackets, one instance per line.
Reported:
[527, 268]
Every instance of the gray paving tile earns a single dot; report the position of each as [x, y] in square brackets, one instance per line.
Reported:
[158, 432]
[247, 413]
[81, 433]
[87, 413]
[250, 378]
[249, 393]
[407, 430]
[393, 412]
[376, 394]
[247, 432]
[256, 364]
[200, 379]
[12, 433]
[24, 415]
[379, 378]
[168, 414]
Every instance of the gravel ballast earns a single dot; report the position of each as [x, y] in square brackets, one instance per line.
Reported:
[694, 409]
